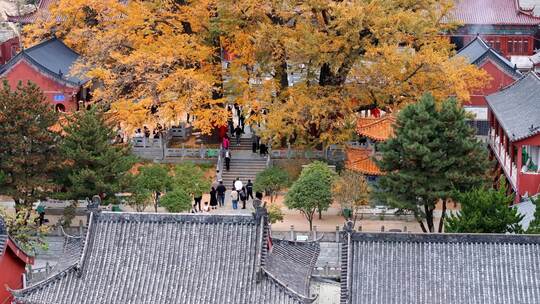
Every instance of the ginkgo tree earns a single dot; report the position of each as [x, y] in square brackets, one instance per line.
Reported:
[152, 61]
[344, 56]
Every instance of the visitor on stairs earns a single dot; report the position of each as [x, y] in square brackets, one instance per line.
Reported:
[238, 133]
[249, 189]
[263, 150]
[226, 142]
[254, 143]
[221, 193]
[243, 197]
[228, 160]
[213, 198]
[234, 199]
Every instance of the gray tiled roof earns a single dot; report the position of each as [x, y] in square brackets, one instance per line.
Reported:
[389, 268]
[52, 57]
[477, 51]
[291, 263]
[517, 107]
[169, 258]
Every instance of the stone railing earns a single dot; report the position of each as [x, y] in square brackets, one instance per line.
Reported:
[202, 152]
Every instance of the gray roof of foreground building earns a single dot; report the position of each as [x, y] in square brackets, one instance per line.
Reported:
[517, 107]
[52, 57]
[177, 258]
[389, 268]
[477, 51]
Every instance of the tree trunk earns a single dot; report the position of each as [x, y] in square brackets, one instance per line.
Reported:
[419, 220]
[155, 202]
[443, 215]
[320, 213]
[281, 76]
[429, 218]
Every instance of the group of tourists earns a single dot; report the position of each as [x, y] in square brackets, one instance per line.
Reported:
[239, 195]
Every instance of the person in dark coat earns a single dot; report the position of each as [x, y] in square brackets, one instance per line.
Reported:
[238, 133]
[254, 143]
[249, 189]
[227, 160]
[213, 198]
[221, 193]
[263, 150]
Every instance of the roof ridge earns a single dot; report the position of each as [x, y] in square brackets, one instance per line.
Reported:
[38, 285]
[291, 291]
[517, 82]
[471, 238]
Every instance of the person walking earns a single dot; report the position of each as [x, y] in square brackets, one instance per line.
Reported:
[263, 150]
[221, 194]
[254, 143]
[249, 189]
[242, 197]
[238, 133]
[234, 199]
[213, 198]
[226, 142]
[228, 160]
[198, 200]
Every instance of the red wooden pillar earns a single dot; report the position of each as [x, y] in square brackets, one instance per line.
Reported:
[519, 165]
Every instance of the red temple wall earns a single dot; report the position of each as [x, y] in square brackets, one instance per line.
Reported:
[11, 272]
[499, 79]
[24, 72]
[8, 49]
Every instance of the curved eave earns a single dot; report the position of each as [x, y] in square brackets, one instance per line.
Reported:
[24, 56]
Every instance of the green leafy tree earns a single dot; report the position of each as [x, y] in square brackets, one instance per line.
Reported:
[312, 191]
[137, 197]
[274, 214]
[176, 200]
[270, 181]
[351, 191]
[93, 164]
[534, 225]
[485, 211]
[191, 179]
[28, 153]
[433, 155]
[23, 226]
[152, 179]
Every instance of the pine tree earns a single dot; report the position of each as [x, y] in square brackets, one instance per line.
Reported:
[485, 211]
[433, 154]
[28, 148]
[93, 164]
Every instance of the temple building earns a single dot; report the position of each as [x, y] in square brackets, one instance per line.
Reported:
[9, 45]
[13, 261]
[371, 128]
[514, 135]
[49, 65]
[406, 268]
[503, 24]
[178, 258]
[501, 71]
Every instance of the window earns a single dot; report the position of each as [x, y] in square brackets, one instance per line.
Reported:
[526, 46]
[510, 46]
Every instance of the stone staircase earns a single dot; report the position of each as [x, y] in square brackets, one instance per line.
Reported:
[244, 168]
[245, 144]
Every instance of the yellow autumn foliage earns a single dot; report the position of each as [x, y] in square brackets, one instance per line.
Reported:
[154, 60]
